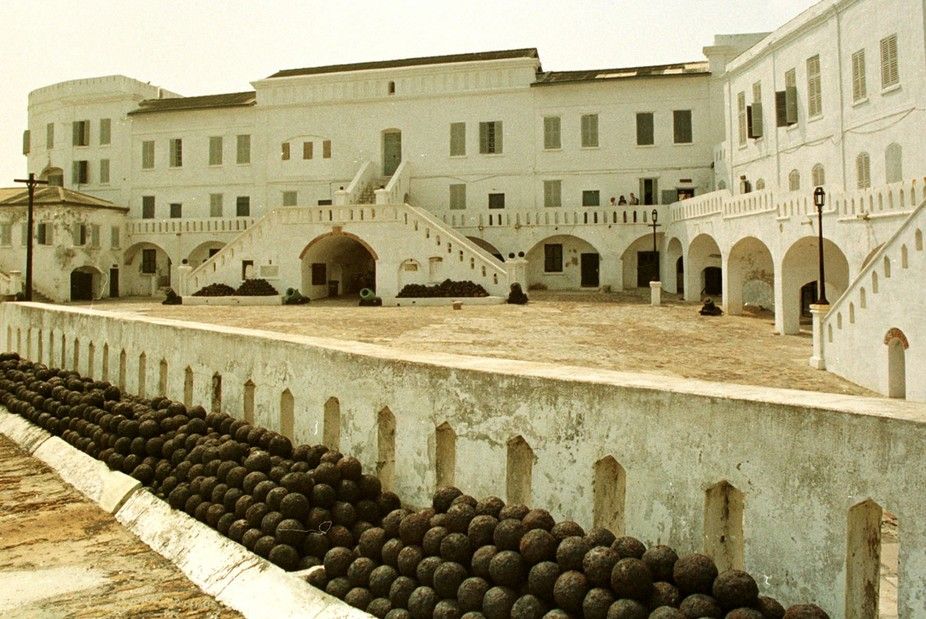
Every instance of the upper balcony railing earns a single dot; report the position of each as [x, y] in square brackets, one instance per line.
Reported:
[588, 216]
[211, 225]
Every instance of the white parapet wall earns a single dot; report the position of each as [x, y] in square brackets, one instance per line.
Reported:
[761, 478]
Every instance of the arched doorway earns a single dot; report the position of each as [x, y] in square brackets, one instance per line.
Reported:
[85, 283]
[673, 277]
[640, 263]
[563, 262]
[799, 267]
[203, 252]
[897, 346]
[704, 276]
[147, 269]
[750, 276]
[335, 264]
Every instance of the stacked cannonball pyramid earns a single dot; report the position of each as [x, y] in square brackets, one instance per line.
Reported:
[305, 506]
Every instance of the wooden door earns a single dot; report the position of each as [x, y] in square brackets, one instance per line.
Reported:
[392, 151]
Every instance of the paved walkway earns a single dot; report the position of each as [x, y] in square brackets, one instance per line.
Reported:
[62, 556]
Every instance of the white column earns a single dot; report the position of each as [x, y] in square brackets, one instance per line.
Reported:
[517, 272]
[183, 280]
[818, 360]
[655, 293]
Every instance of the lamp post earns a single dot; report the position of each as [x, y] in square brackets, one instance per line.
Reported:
[819, 200]
[31, 183]
[654, 225]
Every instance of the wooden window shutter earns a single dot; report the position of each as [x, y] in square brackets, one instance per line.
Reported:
[791, 105]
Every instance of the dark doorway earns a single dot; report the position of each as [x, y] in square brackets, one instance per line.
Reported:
[114, 283]
[680, 276]
[649, 192]
[808, 296]
[81, 286]
[392, 151]
[647, 268]
[589, 266]
[713, 281]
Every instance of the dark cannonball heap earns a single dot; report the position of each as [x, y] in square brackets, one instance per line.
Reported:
[446, 288]
[304, 506]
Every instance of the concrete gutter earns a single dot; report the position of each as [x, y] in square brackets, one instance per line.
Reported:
[220, 567]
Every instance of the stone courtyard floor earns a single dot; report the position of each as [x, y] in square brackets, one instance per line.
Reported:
[606, 331]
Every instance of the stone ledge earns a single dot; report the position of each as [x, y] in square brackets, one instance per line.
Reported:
[234, 300]
[26, 436]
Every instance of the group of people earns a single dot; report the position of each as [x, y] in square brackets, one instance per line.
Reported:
[622, 201]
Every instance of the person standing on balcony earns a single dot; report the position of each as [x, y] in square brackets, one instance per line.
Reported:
[613, 201]
[634, 201]
[622, 201]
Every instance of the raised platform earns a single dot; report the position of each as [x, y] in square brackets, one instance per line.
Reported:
[234, 300]
[437, 301]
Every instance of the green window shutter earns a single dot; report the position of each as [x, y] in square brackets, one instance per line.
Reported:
[498, 136]
[244, 149]
[105, 131]
[457, 139]
[75, 133]
[681, 124]
[27, 142]
[551, 132]
[483, 138]
[457, 196]
[75, 172]
[754, 115]
[590, 130]
[791, 105]
[645, 129]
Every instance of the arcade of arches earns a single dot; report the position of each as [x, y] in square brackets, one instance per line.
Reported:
[336, 264]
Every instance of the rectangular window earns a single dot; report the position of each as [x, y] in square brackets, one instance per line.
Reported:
[645, 129]
[490, 137]
[496, 200]
[27, 142]
[176, 153]
[457, 139]
[80, 172]
[95, 235]
[244, 149]
[105, 131]
[791, 97]
[81, 132]
[754, 113]
[591, 197]
[176, 210]
[859, 83]
[215, 205]
[149, 261]
[458, 196]
[307, 150]
[814, 88]
[552, 193]
[243, 206]
[147, 154]
[44, 234]
[289, 198]
[50, 136]
[215, 150]
[114, 234]
[6, 235]
[79, 234]
[553, 258]
[326, 149]
[284, 151]
[104, 171]
[681, 123]
[551, 133]
[741, 117]
[147, 207]
[890, 73]
[589, 130]
[319, 274]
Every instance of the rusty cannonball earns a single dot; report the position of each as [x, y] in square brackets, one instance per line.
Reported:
[317, 579]
[465, 499]
[541, 578]
[447, 609]
[481, 530]
[507, 569]
[447, 579]
[567, 528]
[569, 591]
[631, 579]
[381, 579]
[439, 520]
[597, 602]
[508, 533]
[600, 536]
[430, 544]
[473, 614]
[666, 612]
[444, 497]
[664, 594]
[425, 571]
[350, 468]
[338, 587]
[627, 609]
[513, 510]
[539, 545]
[336, 562]
[694, 573]
[392, 520]
[661, 561]
[629, 547]
[497, 602]
[538, 519]
[770, 607]
[528, 607]
[414, 526]
[805, 611]
[400, 591]
[358, 597]
[480, 562]
[408, 560]
[471, 592]
[490, 506]
[371, 543]
[459, 516]
[700, 605]
[735, 588]
[571, 551]
[316, 545]
[358, 573]
[744, 613]
[398, 613]
[456, 547]
[421, 603]
[284, 556]
[598, 564]
[379, 607]
[391, 550]
[339, 535]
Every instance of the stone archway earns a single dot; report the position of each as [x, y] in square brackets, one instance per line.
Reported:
[640, 264]
[750, 276]
[673, 278]
[203, 252]
[147, 269]
[702, 267]
[337, 263]
[800, 266]
[86, 283]
[563, 262]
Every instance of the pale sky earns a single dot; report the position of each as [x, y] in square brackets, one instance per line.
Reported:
[206, 47]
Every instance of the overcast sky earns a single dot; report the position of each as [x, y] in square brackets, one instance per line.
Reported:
[205, 47]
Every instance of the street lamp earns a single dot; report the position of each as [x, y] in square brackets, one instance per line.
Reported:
[31, 183]
[654, 225]
[819, 199]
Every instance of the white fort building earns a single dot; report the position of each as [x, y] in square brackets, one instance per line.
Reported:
[484, 167]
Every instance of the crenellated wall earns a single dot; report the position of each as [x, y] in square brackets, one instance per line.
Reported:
[770, 480]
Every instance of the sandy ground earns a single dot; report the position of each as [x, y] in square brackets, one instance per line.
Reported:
[613, 331]
[62, 556]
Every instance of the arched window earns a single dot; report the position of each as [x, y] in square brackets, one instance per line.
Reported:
[863, 170]
[760, 184]
[794, 180]
[893, 163]
[818, 175]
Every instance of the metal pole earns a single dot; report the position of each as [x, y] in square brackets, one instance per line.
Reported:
[822, 299]
[31, 182]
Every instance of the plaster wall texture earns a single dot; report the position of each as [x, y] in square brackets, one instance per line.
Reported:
[801, 460]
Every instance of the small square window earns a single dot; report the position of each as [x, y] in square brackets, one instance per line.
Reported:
[215, 205]
[243, 206]
[553, 258]
[307, 148]
[645, 129]
[176, 210]
[591, 197]
[284, 151]
[147, 207]
[176, 153]
[244, 149]
[496, 200]
[289, 198]
[326, 149]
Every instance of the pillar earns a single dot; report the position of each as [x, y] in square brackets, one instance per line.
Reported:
[183, 280]
[655, 293]
[819, 312]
